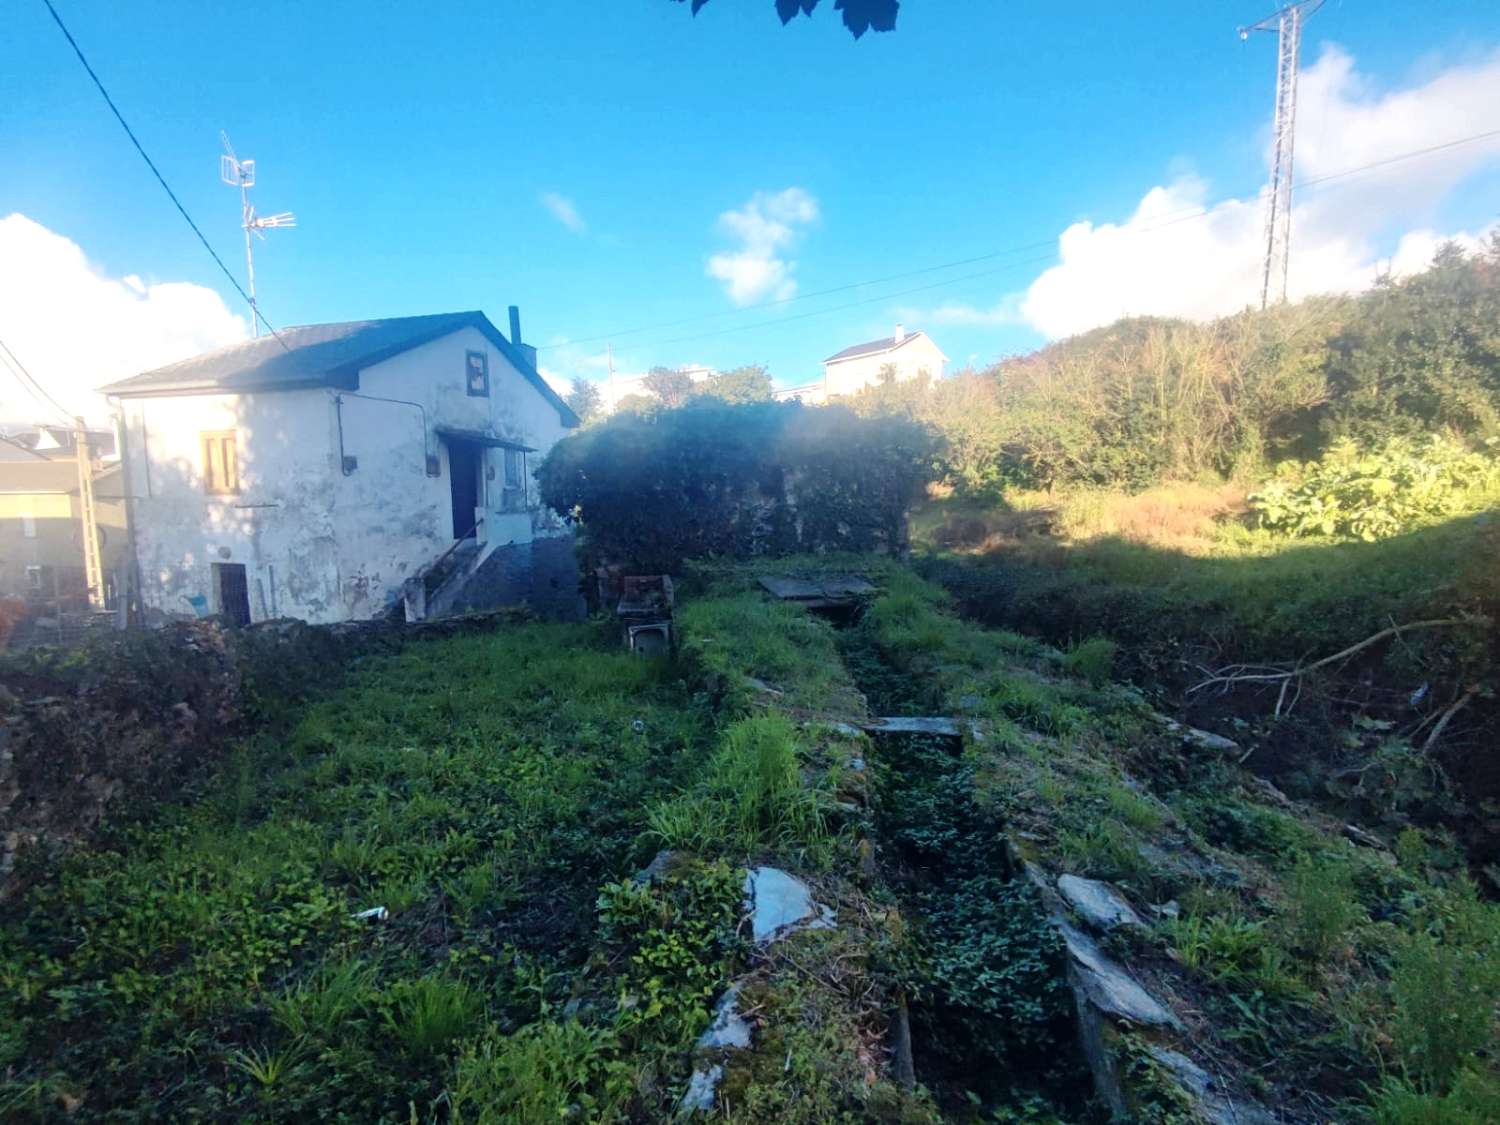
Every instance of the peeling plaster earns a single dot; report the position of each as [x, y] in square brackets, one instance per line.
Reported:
[317, 543]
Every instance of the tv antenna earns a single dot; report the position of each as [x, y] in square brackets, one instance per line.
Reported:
[1286, 21]
[241, 173]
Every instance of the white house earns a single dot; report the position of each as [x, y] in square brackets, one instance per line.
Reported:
[907, 354]
[335, 471]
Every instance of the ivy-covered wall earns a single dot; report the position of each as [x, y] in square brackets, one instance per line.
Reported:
[738, 480]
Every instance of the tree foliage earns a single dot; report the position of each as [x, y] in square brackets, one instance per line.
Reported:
[860, 16]
[1150, 399]
[585, 399]
[1374, 494]
[715, 478]
[671, 386]
[751, 383]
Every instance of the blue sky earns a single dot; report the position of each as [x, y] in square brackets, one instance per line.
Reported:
[416, 144]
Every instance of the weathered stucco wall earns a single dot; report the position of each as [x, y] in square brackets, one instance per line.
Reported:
[279, 525]
[390, 517]
[336, 508]
[849, 376]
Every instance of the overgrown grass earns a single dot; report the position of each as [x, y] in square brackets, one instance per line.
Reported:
[743, 644]
[1249, 595]
[478, 787]
[1318, 963]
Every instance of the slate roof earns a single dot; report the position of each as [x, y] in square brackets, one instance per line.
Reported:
[874, 347]
[321, 355]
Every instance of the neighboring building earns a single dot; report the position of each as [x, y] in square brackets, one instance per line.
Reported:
[41, 530]
[18, 442]
[332, 471]
[902, 356]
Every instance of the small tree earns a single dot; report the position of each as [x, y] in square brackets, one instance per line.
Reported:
[585, 400]
[751, 383]
[638, 404]
[673, 387]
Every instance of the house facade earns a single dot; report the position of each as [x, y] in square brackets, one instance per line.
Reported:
[41, 529]
[320, 472]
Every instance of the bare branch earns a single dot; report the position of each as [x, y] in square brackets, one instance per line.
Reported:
[1268, 674]
[1452, 710]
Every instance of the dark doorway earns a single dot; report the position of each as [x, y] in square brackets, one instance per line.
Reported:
[463, 473]
[232, 592]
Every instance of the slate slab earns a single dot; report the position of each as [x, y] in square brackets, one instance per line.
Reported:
[1098, 904]
[779, 903]
[729, 1028]
[1109, 985]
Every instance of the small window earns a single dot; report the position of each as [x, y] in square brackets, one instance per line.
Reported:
[514, 461]
[221, 463]
[477, 374]
[28, 527]
[35, 576]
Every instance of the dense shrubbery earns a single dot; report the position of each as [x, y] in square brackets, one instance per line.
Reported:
[1374, 494]
[713, 478]
[1146, 400]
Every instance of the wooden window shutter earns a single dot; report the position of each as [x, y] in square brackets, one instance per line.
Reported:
[221, 467]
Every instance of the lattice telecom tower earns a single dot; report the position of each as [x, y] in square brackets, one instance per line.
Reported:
[1287, 23]
[241, 174]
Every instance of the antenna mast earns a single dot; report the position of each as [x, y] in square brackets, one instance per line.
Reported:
[1287, 23]
[241, 173]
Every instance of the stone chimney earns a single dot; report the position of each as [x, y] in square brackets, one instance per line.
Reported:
[515, 337]
[900, 335]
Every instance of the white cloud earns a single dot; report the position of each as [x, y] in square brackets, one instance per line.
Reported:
[1167, 260]
[1007, 310]
[76, 328]
[558, 382]
[765, 227]
[564, 210]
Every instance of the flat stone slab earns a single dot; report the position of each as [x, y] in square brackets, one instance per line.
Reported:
[829, 590]
[779, 904]
[729, 1028]
[1204, 739]
[1099, 904]
[1214, 1103]
[940, 726]
[699, 1096]
[1109, 986]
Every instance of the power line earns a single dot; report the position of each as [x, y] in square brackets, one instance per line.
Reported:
[25, 378]
[109, 101]
[815, 293]
[1168, 219]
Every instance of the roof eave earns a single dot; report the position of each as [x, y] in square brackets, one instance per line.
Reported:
[336, 380]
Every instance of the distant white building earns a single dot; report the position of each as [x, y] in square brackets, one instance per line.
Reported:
[341, 471]
[618, 387]
[902, 356]
[908, 354]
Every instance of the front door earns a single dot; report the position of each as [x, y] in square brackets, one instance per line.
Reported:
[232, 591]
[464, 459]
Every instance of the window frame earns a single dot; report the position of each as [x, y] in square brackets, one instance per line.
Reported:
[516, 457]
[484, 370]
[220, 440]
